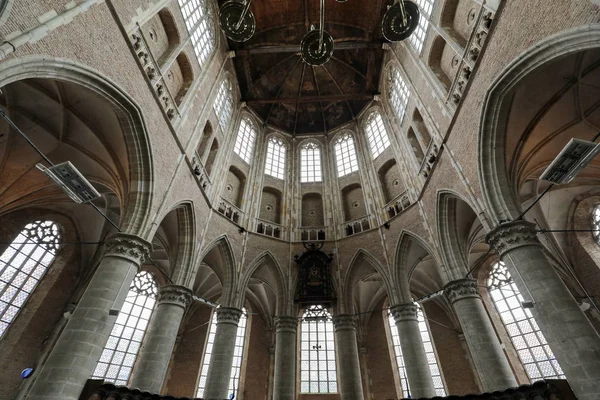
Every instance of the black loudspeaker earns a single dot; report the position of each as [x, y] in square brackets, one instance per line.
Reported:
[393, 27]
[309, 48]
[230, 15]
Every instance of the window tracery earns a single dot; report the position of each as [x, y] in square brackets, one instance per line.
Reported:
[418, 37]
[310, 163]
[531, 345]
[398, 93]
[377, 134]
[200, 27]
[123, 345]
[23, 264]
[238, 353]
[244, 143]
[345, 155]
[318, 373]
[224, 103]
[434, 367]
[275, 162]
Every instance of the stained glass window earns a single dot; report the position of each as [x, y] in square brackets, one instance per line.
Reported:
[310, 163]
[22, 266]
[275, 163]
[534, 352]
[596, 223]
[244, 143]
[398, 93]
[123, 345]
[200, 28]
[224, 103]
[418, 37]
[434, 367]
[376, 134]
[317, 352]
[345, 155]
[238, 353]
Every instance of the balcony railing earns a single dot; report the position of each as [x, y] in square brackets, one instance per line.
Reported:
[357, 225]
[269, 228]
[397, 205]
[230, 211]
[201, 174]
[313, 233]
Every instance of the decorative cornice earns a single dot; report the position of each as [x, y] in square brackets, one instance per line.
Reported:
[405, 312]
[176, 295]
[461, 289]
[131, 247]
[228, 315]
[286, 324]
[512, 235]
[344, 322]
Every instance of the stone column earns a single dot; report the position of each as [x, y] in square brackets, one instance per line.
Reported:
[284, 382]
[219, 370]
[573, 339]
[76, 353]
[347, 355]
[413, 351]
[488, 356]
[152, 363]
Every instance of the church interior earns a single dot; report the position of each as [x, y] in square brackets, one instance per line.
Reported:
[299, 199]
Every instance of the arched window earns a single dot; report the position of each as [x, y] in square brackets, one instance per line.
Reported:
[236, 368]
[376, 134]
[244, 143]
[596, 223]
[534, 352]
[434, 367]
[22, 266]
[224, 103]
[121, 349]
[199, 25]
[418, 37]
[310, 163]
[345, 155]
[317, 352]
[275, 163]
[398, 93]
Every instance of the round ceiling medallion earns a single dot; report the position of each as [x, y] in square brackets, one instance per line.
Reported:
[309, 48]
[393, 27]
[236, 30]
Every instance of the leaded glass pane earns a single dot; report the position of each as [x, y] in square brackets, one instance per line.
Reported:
[199, 25]
[418, 37]
[310, 163]
[275, 162]
[244, 143]
[398, 93]
[223, 104]
[376, 134]
[596, 223]
[345, 155]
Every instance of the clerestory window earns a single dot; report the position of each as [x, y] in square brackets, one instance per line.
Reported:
[123, 345]
[596, 223]
[244, 143]
[223, 105]
[398, 93]
[376, 134]
[345, 155]
[417, 39]
[200, 27]
[310, 163]
[318, 372]
[275, 162]
[22, 266]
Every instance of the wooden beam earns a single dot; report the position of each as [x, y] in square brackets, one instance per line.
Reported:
[312, 99]
[296, 48]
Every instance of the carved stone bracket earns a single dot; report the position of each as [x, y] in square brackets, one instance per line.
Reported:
[512, 235]
[286, 324]
[344, 322]
[405, 312]
[176, 295]
[228, 315]
[130, 247]
[461, 289]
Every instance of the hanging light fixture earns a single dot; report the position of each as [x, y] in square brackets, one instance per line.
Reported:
[400, 21]
[316, 47]
[237, 21]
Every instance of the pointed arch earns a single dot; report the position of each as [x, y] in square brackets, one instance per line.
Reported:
[220, 258]
[276, 281]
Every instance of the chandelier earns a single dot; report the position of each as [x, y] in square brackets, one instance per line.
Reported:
[316, 48]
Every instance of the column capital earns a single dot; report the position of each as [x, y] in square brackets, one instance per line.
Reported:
[512, 235]
[344, 322]
[286, 324]
[228, 315]
[461, 289]
[130, 247]
[405, 312]
[175, 294]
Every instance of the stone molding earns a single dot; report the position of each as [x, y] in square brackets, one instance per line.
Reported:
[461, 289]
[286, 324]
[344, 322]
[512, 235]
[176, 295]
[228, 315]
[130, 247]
[405, 312]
